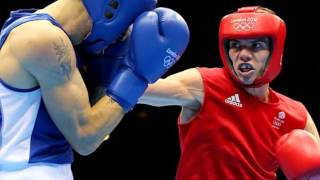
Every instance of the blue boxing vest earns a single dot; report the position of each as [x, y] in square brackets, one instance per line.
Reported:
[27, 133]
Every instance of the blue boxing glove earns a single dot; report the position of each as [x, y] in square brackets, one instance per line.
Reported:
[158, 40]
[99, 69]
[110, 18]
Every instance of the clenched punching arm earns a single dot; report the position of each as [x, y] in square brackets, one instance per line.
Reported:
[298, 154]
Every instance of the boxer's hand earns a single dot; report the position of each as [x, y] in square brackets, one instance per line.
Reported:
[100, 68]
[158, 40]
[298, 153]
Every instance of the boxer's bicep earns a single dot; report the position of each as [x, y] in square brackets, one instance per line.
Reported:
[53, 64]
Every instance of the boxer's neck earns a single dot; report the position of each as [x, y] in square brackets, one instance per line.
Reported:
[73, 17]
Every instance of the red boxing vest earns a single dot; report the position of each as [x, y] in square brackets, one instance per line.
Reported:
[233, 135]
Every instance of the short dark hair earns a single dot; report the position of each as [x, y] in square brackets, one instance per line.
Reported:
[261, 9]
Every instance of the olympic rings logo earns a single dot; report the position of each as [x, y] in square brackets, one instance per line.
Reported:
[168, 61]
[243, 26]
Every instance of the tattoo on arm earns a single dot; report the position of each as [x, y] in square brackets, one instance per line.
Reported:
[63, 56]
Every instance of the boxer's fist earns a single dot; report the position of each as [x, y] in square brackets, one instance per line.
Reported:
[99, 69]
[298, 154]
[158, 39]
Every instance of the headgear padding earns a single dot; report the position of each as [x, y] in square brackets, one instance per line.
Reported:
[110, 18]
[247, 23]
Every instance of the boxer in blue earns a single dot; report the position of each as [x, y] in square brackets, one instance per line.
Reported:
[45, 109]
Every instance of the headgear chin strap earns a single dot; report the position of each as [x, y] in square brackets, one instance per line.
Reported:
[110, 18]
[247, 23]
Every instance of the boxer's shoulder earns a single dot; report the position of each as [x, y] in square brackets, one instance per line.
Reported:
[34, 40]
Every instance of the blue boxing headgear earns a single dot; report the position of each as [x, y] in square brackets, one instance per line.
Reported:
[110, 18]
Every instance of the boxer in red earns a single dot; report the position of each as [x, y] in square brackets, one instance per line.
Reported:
[231, 119]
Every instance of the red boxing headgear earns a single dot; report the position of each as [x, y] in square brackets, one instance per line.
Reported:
[248, 23]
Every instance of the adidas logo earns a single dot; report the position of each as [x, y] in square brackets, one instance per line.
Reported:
[234, 100]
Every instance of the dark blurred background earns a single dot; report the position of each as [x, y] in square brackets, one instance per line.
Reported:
[145, 144]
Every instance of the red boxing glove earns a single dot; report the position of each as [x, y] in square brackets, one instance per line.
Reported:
[298, 154]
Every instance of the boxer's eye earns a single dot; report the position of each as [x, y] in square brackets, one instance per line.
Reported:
[234, 44]
[259, 45]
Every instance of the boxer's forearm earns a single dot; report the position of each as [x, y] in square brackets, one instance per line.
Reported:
[165, 93]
